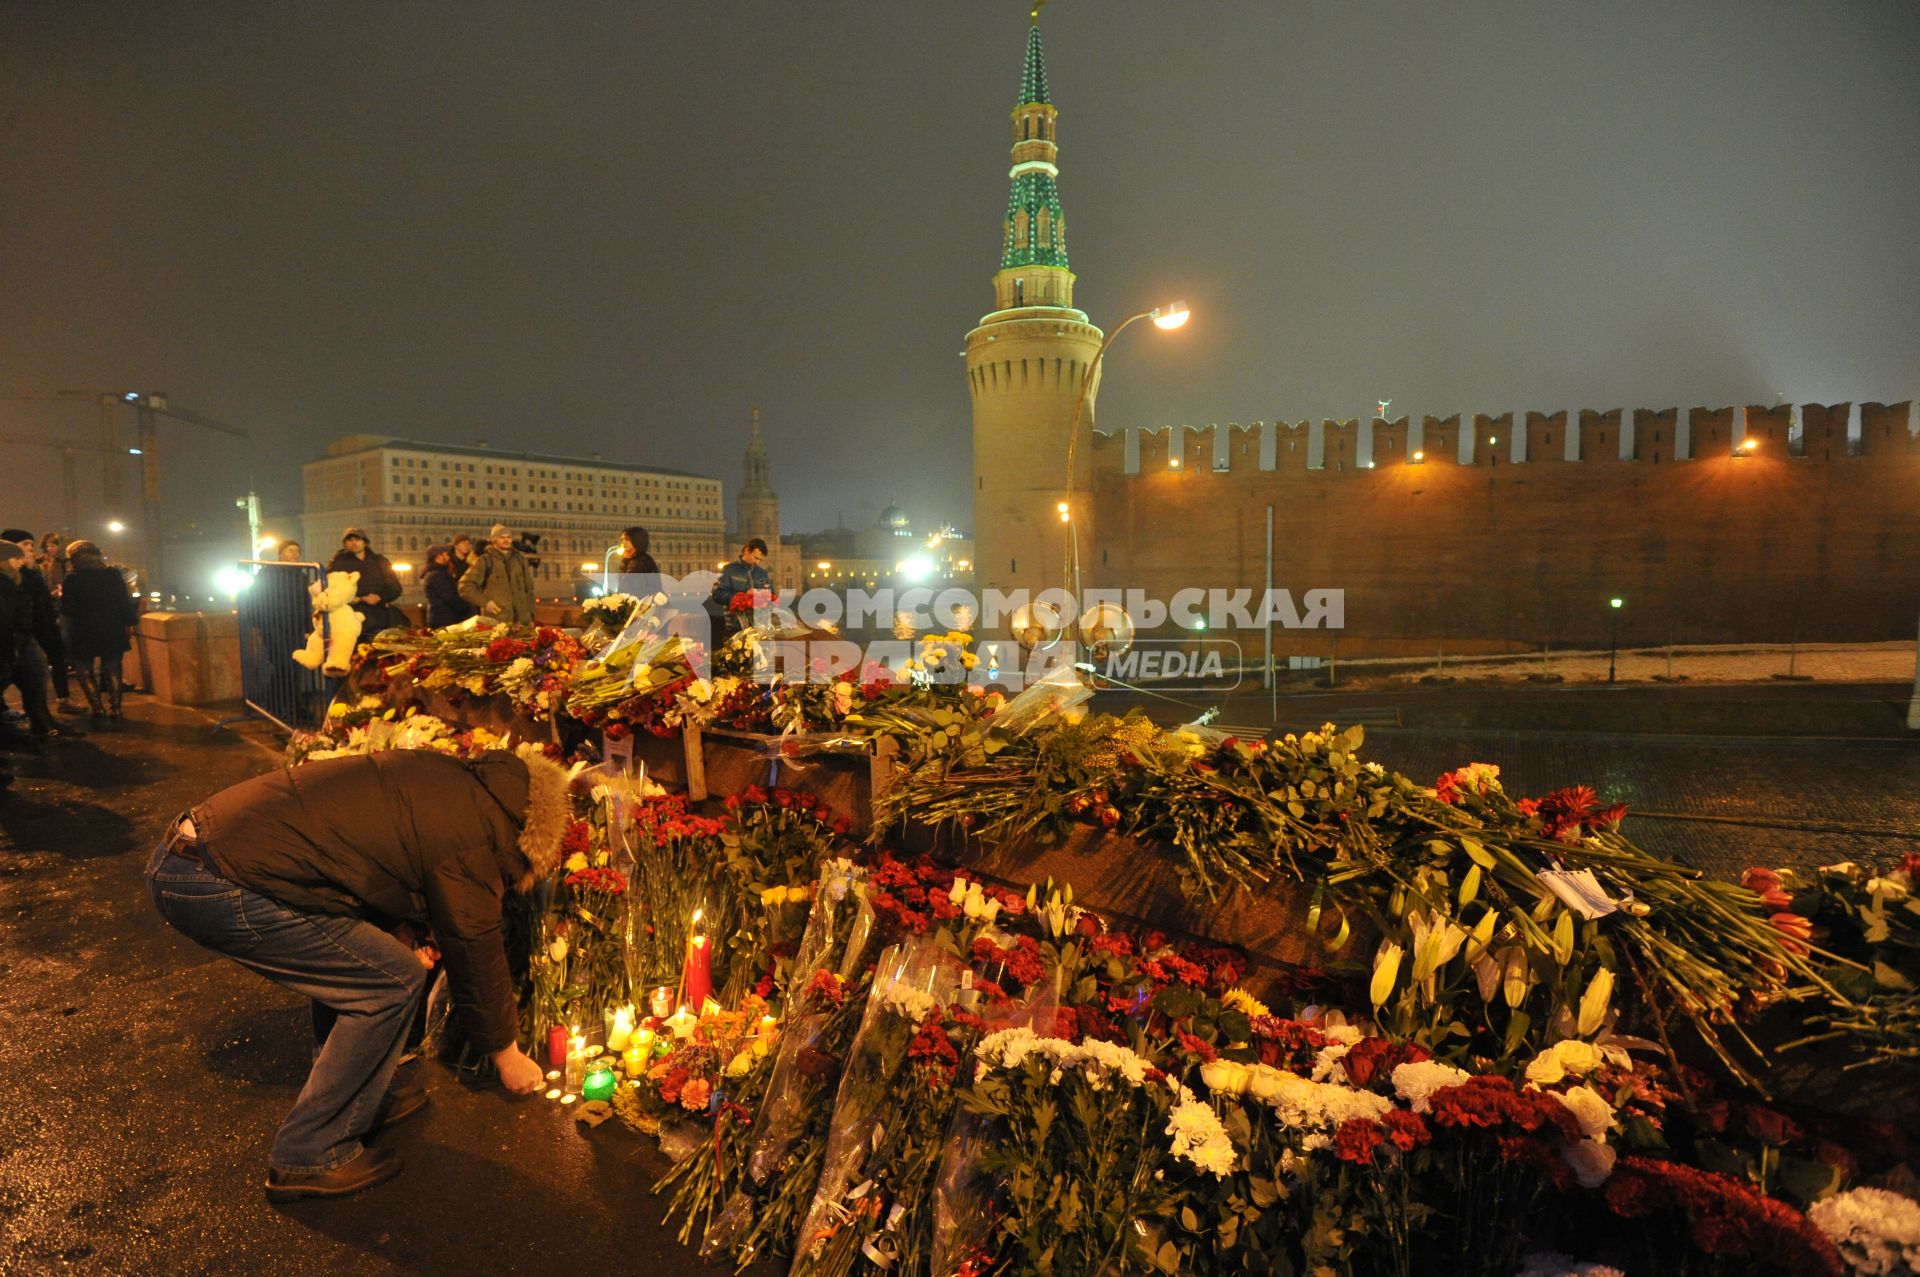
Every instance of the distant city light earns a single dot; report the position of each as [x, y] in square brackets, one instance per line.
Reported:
[115, 526]
[590, 566]
[1173, 463]
[824, 566]
[132, 396]
[1418, 455]
[1616, 601]
[266, 543]
[1750, 443]
[403, 567]
[231, 580]
[916, 568]
[134, 452]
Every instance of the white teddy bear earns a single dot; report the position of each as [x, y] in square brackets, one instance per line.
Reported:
[336, 626]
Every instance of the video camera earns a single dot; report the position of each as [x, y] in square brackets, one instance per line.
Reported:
[528, 544]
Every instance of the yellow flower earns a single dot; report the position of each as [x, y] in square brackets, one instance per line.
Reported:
[337, 710]
[576, 862]
[1386, 969]
[1245, 1003]
[1593, 1003]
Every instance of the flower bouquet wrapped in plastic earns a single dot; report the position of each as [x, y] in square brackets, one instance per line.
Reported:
[788, 1134]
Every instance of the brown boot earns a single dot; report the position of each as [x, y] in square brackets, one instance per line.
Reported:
[373, 1166]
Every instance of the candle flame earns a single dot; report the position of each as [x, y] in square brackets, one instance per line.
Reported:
[698, 914]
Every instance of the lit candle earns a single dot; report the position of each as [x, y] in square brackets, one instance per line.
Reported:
[642, 1045]
[696, 979]
[576, 1063]
[599, 1082]
[682, 1022]
[660, 1002]
[621, 1031]
[636, 1060]
[557, 1047]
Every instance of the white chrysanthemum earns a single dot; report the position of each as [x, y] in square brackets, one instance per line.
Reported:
[1199, 1138]
[1416, 1083]
[1876, 1231]
[910, 1003]
[1302, 1104]
[1107, 1057]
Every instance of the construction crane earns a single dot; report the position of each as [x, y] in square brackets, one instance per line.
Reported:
[148, 407]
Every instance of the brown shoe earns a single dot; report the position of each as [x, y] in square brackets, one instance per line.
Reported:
[373, 1166]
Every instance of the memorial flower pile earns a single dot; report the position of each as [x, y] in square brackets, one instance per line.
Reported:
[1530, 1039]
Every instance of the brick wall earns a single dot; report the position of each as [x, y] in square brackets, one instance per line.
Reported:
[1505, 555]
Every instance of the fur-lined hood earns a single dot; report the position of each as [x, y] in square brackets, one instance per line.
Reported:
[549, 813]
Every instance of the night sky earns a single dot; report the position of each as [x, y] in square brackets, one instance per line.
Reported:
[617, 227]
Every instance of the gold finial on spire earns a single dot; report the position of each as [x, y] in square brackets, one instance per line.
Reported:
[1038, 5]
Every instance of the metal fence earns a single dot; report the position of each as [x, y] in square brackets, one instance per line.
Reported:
[276, 616]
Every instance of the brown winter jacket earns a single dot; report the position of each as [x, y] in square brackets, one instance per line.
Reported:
[402, 836]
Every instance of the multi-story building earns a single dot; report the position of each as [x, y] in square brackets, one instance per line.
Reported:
[409, 495]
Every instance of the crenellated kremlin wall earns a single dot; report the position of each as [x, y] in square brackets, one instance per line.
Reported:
[1728, 525]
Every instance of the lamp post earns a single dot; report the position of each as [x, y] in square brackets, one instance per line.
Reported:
[1166, 318]
[1613, 645]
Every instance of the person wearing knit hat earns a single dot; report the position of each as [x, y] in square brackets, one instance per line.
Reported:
[499, 585]
[286, 874]
[379, 584]
[441, 584]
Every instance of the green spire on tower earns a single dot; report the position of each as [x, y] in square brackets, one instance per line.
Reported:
[1035, 231]
[1033, 81]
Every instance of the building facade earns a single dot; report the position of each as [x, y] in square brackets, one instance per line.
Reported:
[409, 495]
[1030, 361]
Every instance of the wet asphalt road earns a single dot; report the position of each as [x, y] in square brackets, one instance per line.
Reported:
[141, 1078]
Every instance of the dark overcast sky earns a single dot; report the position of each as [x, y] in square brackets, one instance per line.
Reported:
[616, 227]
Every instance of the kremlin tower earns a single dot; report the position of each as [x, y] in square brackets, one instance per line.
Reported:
[1027, 363]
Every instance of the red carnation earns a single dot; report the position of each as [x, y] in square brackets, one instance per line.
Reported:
[1356, 1139]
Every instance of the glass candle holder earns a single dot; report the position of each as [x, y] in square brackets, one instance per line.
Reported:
[599, 1081]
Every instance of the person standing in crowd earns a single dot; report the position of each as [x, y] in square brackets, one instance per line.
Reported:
[37, 583]
[463, 555]
[32, 609]
[639, 574]
[53, 559]
[379, 585]
[444, 604]
[286, 873]
[742, 575]
[633, 552]
[98, 613]
[290, 552]
[499, 585]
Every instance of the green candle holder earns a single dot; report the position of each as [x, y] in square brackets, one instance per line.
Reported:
[599, 1082]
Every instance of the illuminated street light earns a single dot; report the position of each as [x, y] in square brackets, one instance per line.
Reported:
[1166, 318]
[116, 527]
[824, 566]
[403, 567]
[590, 567]
[1613, 645]
[1173, 463]
[1750, 444]
[1419, 455]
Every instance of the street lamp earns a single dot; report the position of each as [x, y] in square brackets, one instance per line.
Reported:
[116, 527]
[1166, 318]
[1613, 646]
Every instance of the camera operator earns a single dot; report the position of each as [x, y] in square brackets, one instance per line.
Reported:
[500, 582]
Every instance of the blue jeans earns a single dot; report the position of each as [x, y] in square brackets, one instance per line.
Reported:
[370, 982]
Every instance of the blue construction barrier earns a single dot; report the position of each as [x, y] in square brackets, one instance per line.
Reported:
[276, 615]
